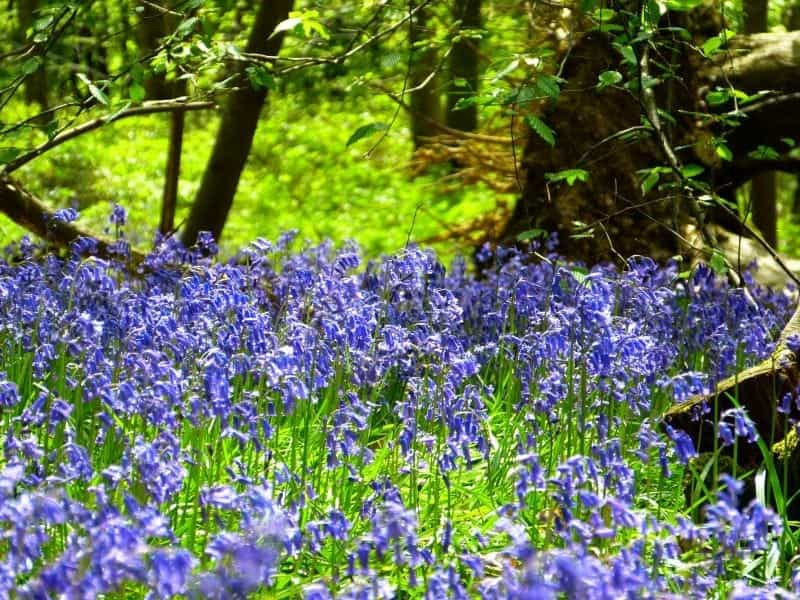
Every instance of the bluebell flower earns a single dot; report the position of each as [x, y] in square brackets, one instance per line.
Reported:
[684, 447]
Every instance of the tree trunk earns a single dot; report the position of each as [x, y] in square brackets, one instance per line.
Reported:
[235, 136]
[425, 103]
[172, 173]
[36, 82]
[464, 69]
[763, 199]
[792, 21]
[601, 131]
[762, 189]
[150, 30]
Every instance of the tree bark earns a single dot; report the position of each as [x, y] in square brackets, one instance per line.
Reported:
[425, 104]
[792, 21]
[762, 189]
[172, 174]
[235, 136]
[601, 131]
[150, 30]
[26, 210]
[757, 390]
[464, 68]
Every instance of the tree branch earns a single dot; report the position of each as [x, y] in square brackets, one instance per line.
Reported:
[148, 108]
[303, 62]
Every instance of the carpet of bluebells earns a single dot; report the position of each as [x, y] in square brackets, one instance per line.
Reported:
[296, 423]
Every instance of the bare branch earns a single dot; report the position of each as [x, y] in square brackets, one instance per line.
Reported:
[147, 108]
[478, 137]
[304, 62]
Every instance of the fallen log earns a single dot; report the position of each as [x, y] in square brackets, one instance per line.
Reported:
[758, 390]
[29, 212]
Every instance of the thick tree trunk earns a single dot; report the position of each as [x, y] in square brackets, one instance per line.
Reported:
[762, 190]
[426, 107]
[464, 68]
[235, 136]
[601, 131]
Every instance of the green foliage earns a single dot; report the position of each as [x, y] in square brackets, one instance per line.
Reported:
[366, 131]
[569, 175]
[299, 176]
[607, 78]
[542, 129]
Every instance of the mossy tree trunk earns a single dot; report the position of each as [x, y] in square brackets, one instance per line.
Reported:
[464, 72]
[763, 197]
[606, 133]
[425, 103]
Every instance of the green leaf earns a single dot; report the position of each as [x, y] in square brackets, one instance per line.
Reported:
[650, 180]
[117, 112]
[31, 65]
[98, 94]
[723, 150]
[764, 153]
[465, 102]
[523, 95]
[50, 129]
[260, 77]
[628, 55]
[718, 263]
[579, 273]
[607, 78]
[289, 24]
[513, 65]
[95, 91]
[718, 97]
[649, 82]
[548, 85]
[530, 234]
[8, 154]
[136, 92]
[568, 175]
[789, 142]
[186, 27]
[683, 5]
[542, 129]
[692, 170]
[581, 231]
[137, 73]
[366, 131]
[307, 19]
[392, 59]
[713, 44]
[603, 14]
